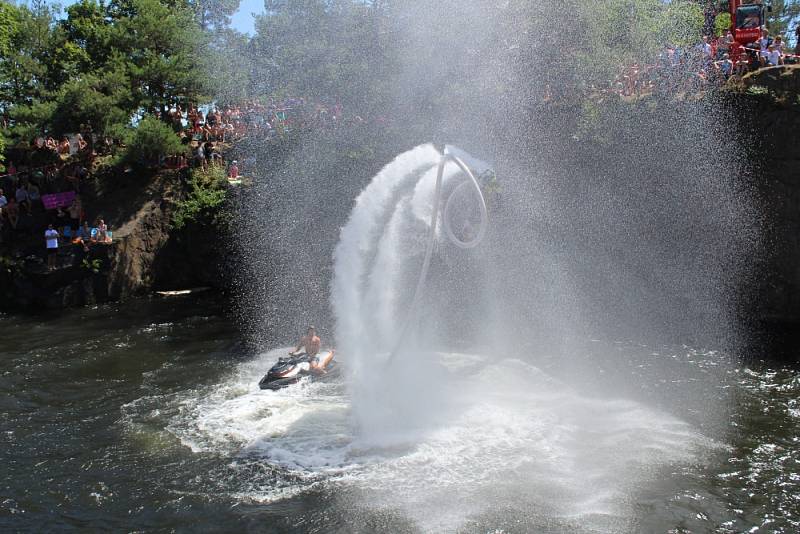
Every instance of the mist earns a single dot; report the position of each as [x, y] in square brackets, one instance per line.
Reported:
[550, 371]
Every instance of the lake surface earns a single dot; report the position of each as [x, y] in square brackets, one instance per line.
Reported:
[148, 417]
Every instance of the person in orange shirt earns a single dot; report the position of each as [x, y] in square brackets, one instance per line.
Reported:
[311, 343]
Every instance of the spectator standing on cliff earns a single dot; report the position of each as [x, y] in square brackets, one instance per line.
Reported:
[780, 46]
[208, 151]
[763, 47]
[233, 171]
[75, 210]
[51, 240]
[22, 198]
[200, 157]
[34, 195]
[64, 147]
[724, 44]
[774, 56]
[725, 66]
[797, 41]
[705, 48]
[12, 212]
[3, 204]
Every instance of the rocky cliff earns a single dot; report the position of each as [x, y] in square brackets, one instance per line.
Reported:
[146, 254]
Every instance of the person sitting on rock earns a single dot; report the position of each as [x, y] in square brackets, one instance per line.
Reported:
[84, 237]
[102, 231]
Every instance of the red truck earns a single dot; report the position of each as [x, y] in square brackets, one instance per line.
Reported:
[747, 19]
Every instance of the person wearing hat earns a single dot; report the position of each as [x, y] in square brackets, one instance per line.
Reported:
[311, 343]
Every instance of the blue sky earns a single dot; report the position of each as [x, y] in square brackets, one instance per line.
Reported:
[242, 21]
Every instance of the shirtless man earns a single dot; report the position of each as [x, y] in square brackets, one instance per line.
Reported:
[311, 343]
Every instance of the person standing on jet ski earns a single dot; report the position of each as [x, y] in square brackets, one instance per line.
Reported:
[312, 343]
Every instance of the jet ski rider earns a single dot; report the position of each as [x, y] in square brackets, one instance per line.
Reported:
[311, 343]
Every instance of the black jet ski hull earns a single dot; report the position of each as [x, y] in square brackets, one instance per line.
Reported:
[283, 374]
[278, 383]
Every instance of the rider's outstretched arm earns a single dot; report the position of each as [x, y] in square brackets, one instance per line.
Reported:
[300, 344]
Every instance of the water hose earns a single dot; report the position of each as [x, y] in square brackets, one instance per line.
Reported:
[464, 244]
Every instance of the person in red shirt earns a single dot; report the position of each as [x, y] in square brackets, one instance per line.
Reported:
[311, 343]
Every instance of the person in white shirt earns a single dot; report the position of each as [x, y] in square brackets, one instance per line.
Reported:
[705, 47]
[763, 47]
[51, 238]
[779, 44]
[773, 56]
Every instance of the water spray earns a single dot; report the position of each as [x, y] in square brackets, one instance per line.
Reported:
[463, 244]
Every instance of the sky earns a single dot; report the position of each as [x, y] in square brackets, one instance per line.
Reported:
[242, 20]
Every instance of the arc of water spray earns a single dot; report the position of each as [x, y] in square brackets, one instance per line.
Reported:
[437, 197]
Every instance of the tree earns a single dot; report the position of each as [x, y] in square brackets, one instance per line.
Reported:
[98, 66]
[163, 51]
[214, 14]
[323, 49]
[150, 141]
[8, 25]
[89, 27]
[784, 16]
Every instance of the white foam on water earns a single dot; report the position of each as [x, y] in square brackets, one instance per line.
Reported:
[504, 430]
[446, 444]
[445, 438]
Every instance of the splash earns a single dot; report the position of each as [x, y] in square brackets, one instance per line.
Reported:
[479, 424]
[448, 436]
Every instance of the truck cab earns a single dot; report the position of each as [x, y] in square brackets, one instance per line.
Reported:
[747, 18]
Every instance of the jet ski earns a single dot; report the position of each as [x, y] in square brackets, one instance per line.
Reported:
[291, 370]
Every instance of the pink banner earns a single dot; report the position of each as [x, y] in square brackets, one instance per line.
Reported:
[58, 200]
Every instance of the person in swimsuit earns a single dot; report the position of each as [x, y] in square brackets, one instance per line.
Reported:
[311, 344]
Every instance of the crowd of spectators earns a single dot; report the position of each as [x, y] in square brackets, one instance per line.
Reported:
[208, 130]
[712, 61]
[48, 196]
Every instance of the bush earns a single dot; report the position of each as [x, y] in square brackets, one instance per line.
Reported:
[151, 141]
[205, 199]
[722, 23]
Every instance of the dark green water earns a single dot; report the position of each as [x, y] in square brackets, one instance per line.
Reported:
[145, 417]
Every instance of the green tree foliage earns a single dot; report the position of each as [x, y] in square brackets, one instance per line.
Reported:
[205, 199]
[150, 141]
[323, 49]
[8, 25]
[160, 44]
[722, 22]
[784, 17]
[98, 66]
[214, 13]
